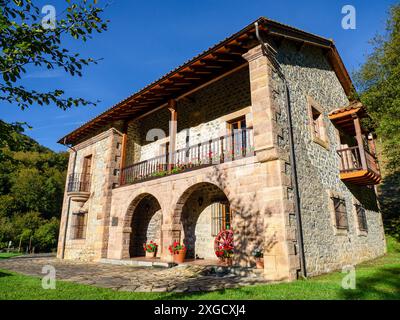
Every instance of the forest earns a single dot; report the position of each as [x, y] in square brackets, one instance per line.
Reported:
[32, 180]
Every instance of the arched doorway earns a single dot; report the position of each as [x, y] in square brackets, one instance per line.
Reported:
[146, 220]
[203, 210]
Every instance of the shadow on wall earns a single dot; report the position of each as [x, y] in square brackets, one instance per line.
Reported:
[389, 200]
[248, 223]
[365, 195]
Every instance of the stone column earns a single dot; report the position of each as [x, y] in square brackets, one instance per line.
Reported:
[263, 111]
[280, 258]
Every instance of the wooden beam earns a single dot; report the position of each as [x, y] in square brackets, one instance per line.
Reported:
[343, 114]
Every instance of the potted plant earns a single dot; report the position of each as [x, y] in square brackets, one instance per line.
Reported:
[178, 251]
[150, 249]
[258, 254]
[225, 254]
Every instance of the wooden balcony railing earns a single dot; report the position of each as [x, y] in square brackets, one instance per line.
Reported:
[358, 167]
[215, 151]
[79, 182]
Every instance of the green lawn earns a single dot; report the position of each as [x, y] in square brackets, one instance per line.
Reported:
[378, 279]
[6, 255]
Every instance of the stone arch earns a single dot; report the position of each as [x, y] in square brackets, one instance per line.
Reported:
[192, 213]
[142, 223]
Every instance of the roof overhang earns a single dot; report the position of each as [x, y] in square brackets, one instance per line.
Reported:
[344, 117]
[211, 64]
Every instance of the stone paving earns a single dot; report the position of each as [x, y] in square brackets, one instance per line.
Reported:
[188, 278]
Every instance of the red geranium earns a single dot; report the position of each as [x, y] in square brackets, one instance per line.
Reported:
[150, 247]
[176, 247]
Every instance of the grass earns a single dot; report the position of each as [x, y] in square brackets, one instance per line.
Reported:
[377, 279]
[6, 255]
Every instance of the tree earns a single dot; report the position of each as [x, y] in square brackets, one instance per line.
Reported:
[379, 83]
[45, 237]
[26, 41]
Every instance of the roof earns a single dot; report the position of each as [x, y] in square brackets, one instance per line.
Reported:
[354, 107]
[208, 65]
[344, 117]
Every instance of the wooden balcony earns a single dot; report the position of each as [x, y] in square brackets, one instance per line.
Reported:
[358, 167]
[78, 187]
[211, 152]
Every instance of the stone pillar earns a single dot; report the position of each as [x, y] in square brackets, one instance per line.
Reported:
[280, 259]
[263, 110]
[169, 234]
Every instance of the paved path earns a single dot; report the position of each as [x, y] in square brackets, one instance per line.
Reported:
[128, 278]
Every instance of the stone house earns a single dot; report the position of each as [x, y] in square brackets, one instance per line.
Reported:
[256, 134]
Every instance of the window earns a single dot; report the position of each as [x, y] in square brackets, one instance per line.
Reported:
[339, 206]
[86, 171]
[316, 122]
[361, 218]
[221, 217]
[317, 125]
[237, 131]
[79, 226]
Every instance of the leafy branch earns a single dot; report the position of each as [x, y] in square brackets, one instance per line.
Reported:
[26, 40]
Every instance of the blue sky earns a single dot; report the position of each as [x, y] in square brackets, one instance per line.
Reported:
[146, 39]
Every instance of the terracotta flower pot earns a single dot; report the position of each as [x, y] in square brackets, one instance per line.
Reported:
[228, 262]
[150, 254]
[260, 263]
[179, 256]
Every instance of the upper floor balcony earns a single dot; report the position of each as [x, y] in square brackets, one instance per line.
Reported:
[236, 145]
[358, 161]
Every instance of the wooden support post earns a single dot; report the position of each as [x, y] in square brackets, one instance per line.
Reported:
[172, 133]
[123, 154]
[360, 142]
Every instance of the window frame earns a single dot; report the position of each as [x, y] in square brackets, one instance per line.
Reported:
[341, 231]
[340, 215]
[362, 230]
[221, 216]
[321, 137]
[79, 225]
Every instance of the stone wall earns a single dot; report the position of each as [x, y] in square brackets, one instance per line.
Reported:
[201, 116]
[105, 158]
[310, 75]
[245, 193]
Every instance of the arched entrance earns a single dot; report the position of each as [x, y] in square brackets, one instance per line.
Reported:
[203, 210]
[145, 223]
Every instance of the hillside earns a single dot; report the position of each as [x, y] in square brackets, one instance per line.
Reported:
[32, 179]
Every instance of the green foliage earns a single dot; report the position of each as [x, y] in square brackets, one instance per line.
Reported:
[31, 191]
[26, 43]
[379, 84]
[46, 235]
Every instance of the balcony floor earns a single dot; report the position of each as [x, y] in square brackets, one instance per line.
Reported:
[361, 177]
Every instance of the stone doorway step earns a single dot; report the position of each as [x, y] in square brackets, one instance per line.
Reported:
[139, 262]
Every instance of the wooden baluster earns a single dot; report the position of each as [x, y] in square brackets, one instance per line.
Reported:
[198, 153]
[210, 151]
[222, 150]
